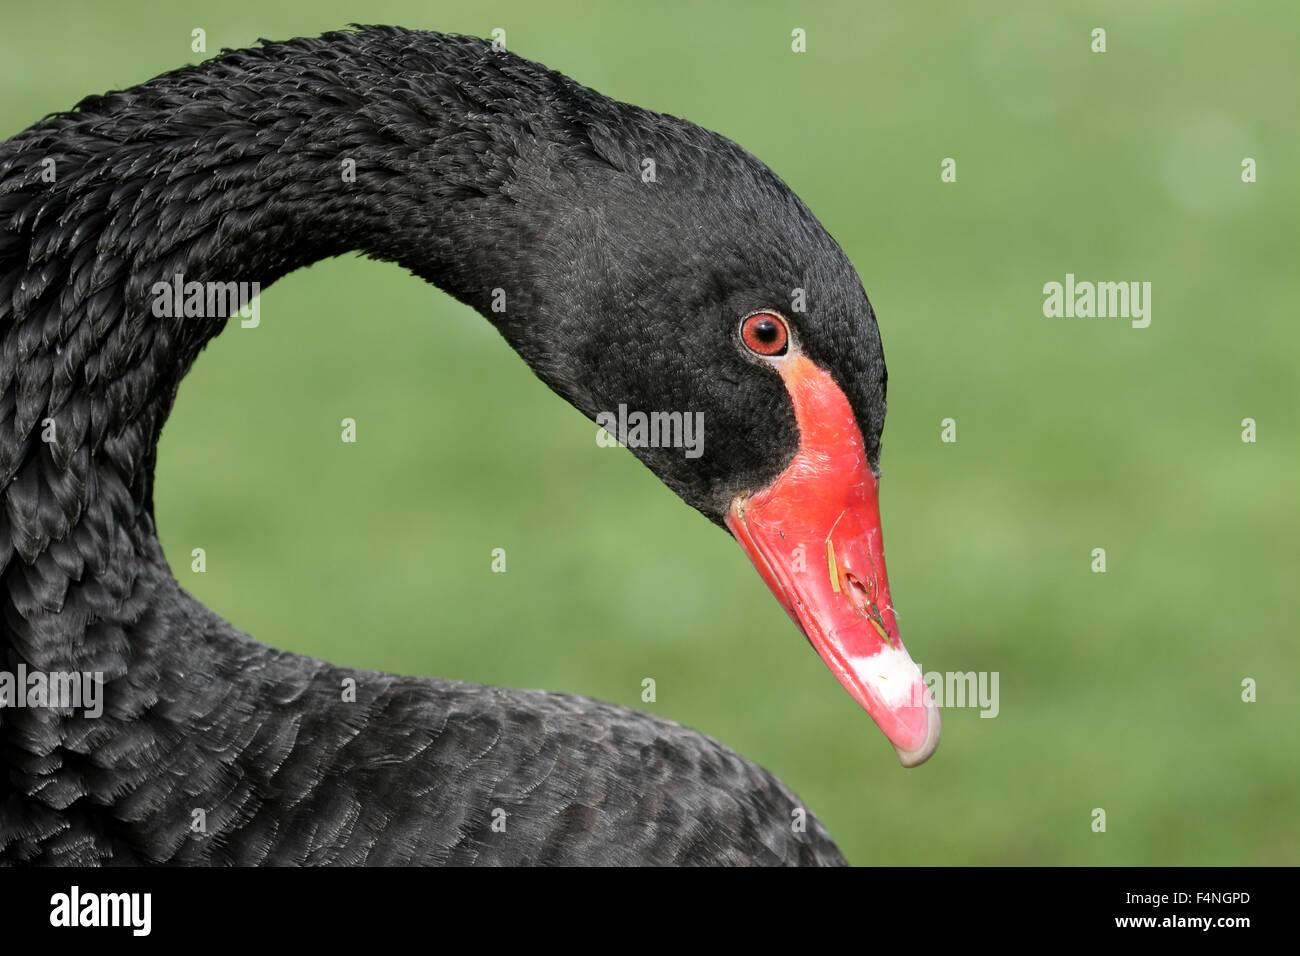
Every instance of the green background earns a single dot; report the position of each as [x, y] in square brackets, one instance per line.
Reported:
[1119, 690]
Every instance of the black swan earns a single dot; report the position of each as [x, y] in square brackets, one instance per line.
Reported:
[704, 287]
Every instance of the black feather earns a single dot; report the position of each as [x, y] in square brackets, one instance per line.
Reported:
[478, 171]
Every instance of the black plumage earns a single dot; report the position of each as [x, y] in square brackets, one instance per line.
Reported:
[486, 175]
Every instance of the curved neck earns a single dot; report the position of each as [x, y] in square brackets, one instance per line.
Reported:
[234, 172]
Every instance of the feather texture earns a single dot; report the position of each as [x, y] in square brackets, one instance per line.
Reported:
[468, 163]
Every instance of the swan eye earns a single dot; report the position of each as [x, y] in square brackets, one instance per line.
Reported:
[765, 334]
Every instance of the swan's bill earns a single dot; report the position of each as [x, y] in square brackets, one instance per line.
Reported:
[814, 535]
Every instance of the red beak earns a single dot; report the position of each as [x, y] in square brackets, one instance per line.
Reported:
[814, 535]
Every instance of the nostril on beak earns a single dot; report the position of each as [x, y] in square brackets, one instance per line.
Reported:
[857, 592]
[864, 600]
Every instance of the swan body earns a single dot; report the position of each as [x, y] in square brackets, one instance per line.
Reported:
[477, 171]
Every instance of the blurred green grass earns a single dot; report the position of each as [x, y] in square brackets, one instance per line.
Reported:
[1119, 691]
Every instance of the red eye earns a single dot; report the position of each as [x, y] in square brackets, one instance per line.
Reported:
[765, 334]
